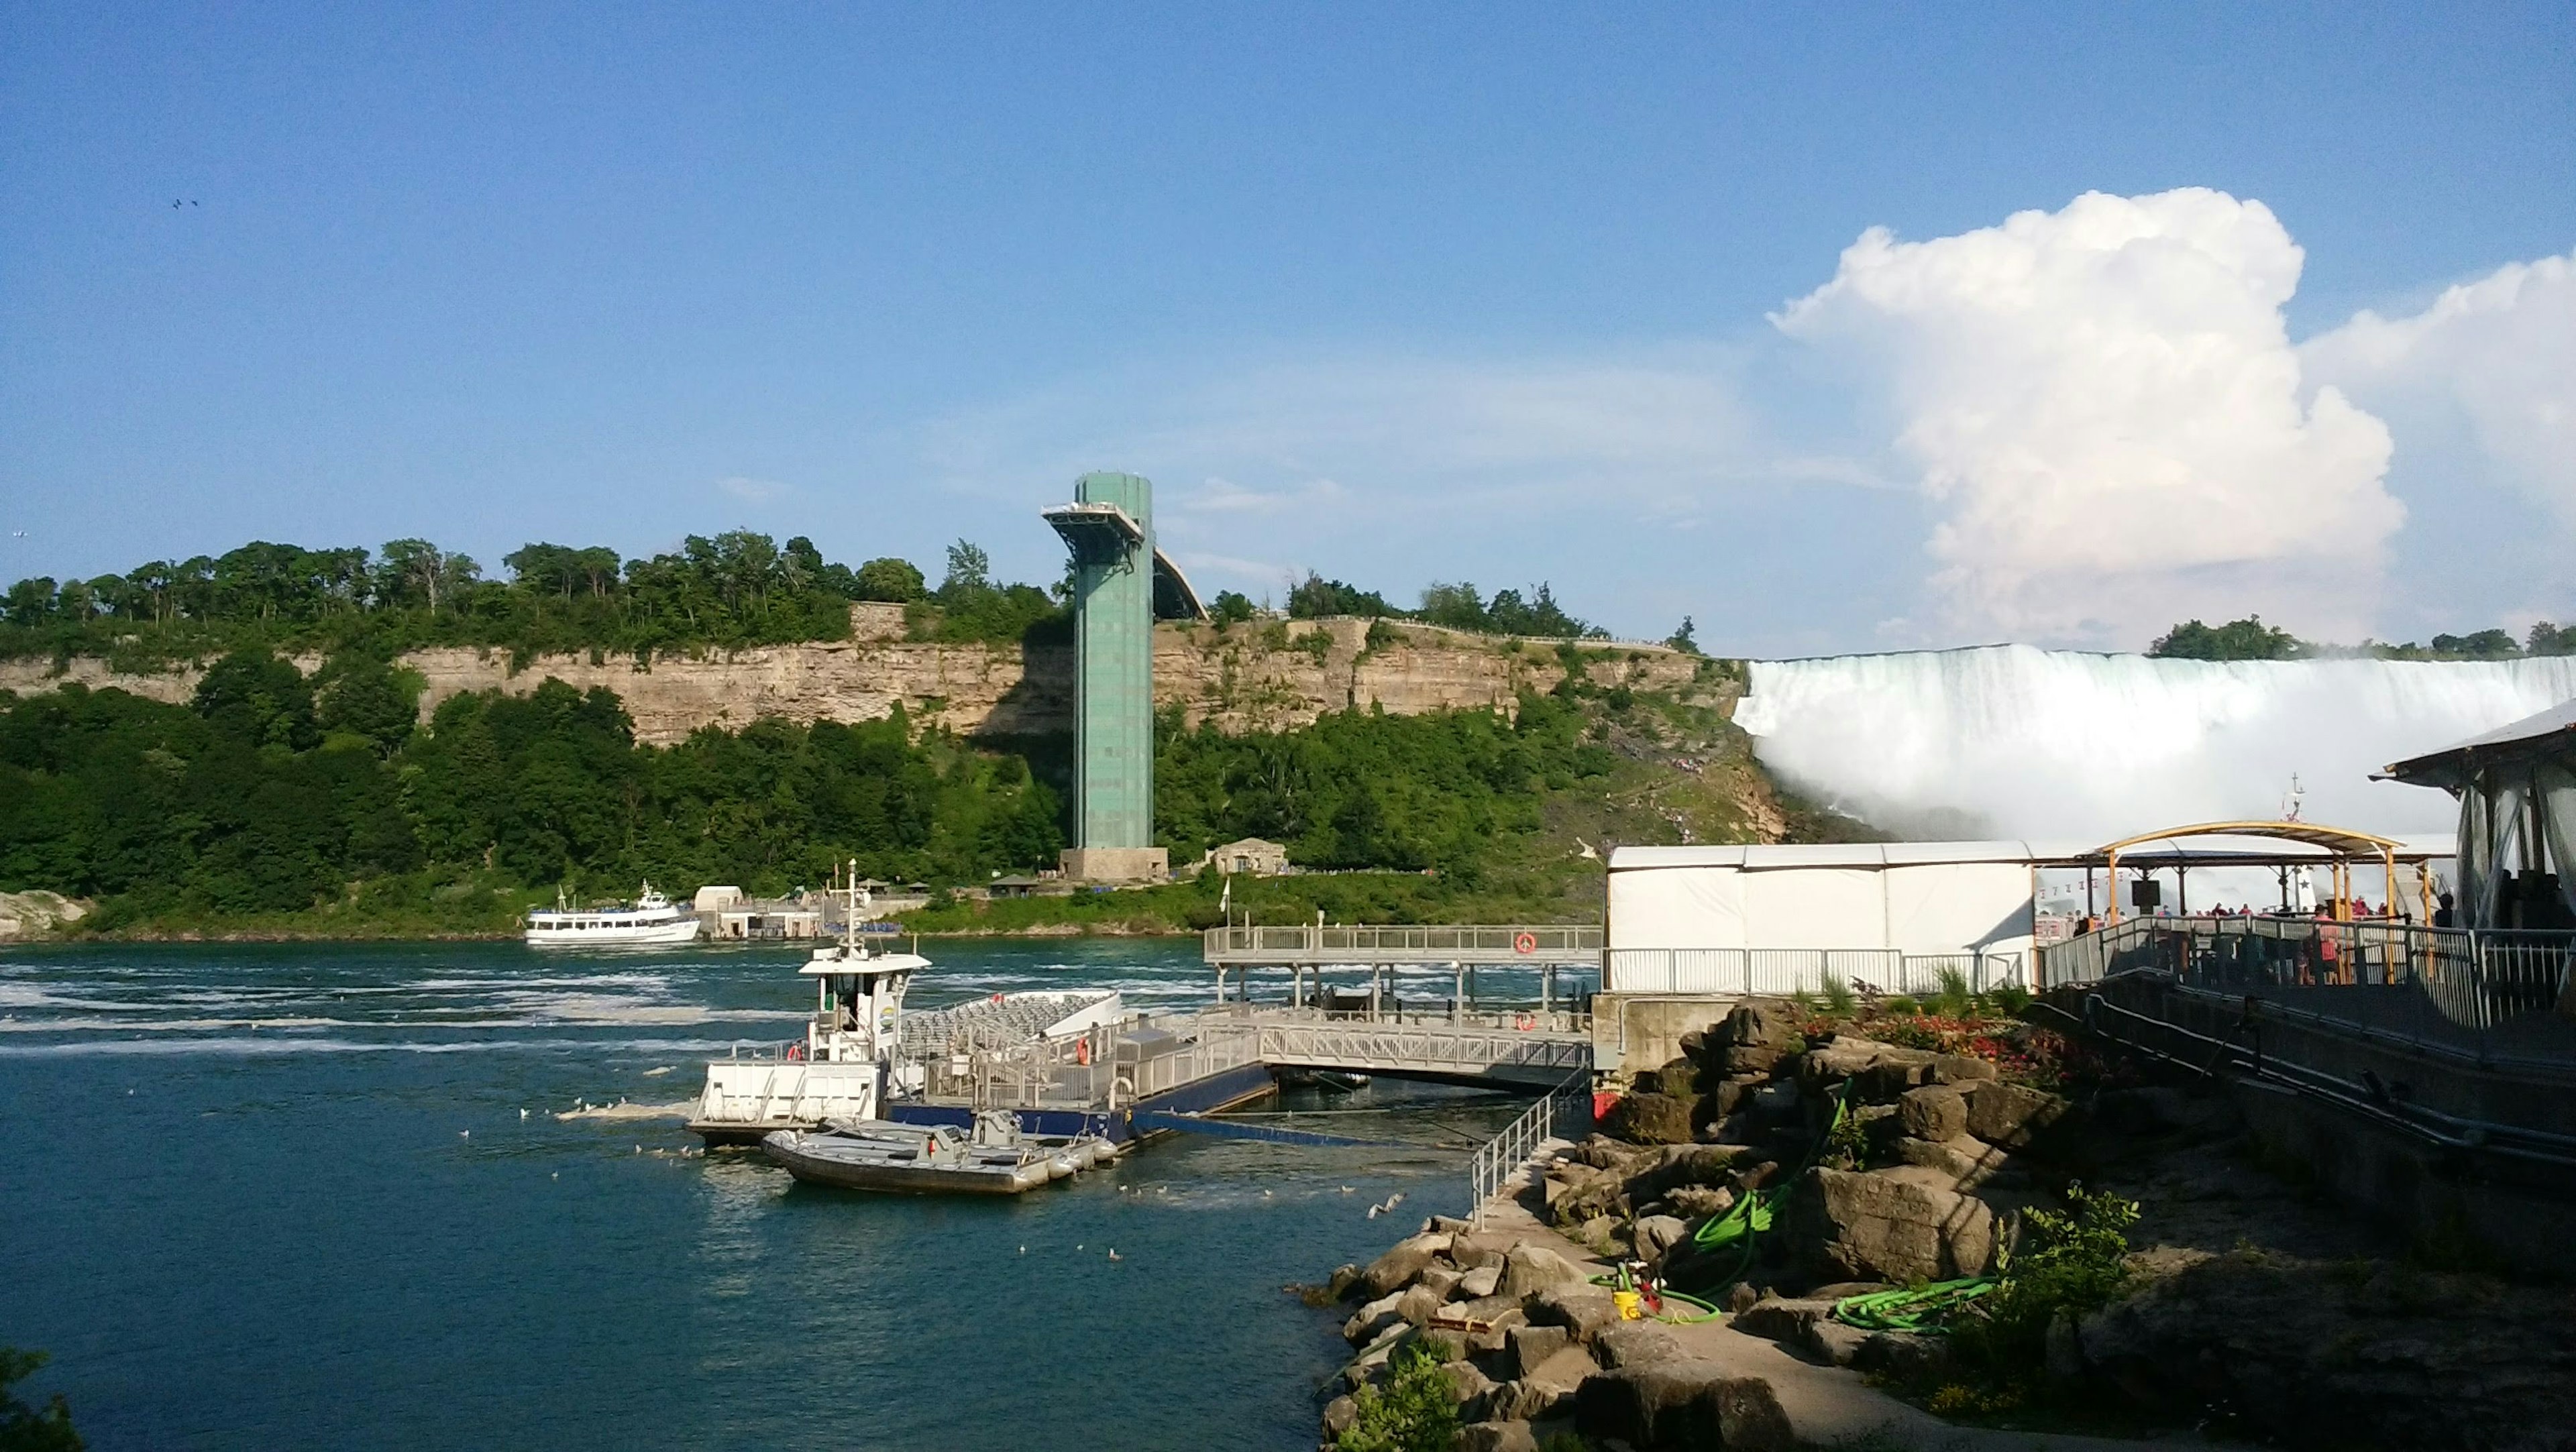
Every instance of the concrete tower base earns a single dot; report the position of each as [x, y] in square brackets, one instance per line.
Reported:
[1118, 864]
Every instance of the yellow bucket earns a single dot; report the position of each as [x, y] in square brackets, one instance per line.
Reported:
[1631, 1305]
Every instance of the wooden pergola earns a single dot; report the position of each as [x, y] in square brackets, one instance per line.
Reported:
[2341, 844]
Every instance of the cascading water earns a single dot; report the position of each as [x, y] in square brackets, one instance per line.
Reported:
[2016, 741]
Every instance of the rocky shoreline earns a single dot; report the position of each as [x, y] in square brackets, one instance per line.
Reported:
[2239, 1306]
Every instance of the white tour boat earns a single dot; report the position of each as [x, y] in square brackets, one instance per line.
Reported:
[821, 1105]
[650, 919]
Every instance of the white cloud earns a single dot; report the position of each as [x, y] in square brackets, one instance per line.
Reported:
[754, 491]
[2497, 355]
[2106, 412]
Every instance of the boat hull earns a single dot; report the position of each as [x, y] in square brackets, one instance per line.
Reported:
[848, 1166]
[642, 936]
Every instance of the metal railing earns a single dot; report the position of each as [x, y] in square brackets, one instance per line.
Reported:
[1564, 1113]
[1435, 1013]
[1536, 944]
[1438, 1048]
[1780, 971]
[2479, 991]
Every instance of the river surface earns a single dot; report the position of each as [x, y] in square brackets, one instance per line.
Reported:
[286, 1196]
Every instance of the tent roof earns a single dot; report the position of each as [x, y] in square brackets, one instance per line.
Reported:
[2540, 734]
[1860, 855]
[2242, 844]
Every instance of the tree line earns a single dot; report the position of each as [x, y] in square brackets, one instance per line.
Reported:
[2251, 639]
[738, 588]
[272, 792]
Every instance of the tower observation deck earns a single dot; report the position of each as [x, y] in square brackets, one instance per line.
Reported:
[1120, 584]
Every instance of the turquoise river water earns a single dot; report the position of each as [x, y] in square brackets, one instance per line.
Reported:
[284, 1196]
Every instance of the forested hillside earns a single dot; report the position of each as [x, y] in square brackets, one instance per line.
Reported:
[280, 802]
[281, 796]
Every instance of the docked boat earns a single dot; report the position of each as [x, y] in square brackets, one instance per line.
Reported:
[649, 920]
[993, 1158]
[864, 1063]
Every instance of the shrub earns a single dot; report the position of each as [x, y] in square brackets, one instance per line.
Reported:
[1953, 1000]
[2069, 1264]
[1411, 1413]
[1838, 998]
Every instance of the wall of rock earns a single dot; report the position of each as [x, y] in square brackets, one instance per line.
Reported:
[1252, 676]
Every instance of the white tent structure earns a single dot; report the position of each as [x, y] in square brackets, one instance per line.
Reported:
[1778, 919]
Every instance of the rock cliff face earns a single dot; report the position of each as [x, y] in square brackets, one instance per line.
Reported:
[1251, 677]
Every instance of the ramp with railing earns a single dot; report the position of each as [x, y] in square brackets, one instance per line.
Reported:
[1500, 1049]
[1564, 1115]
[2492, 995]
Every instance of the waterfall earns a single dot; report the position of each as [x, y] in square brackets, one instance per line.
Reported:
[2011, 740]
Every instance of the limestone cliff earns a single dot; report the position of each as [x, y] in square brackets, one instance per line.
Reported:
[1260, 675]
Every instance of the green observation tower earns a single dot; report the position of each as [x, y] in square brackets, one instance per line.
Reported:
[1121, 585]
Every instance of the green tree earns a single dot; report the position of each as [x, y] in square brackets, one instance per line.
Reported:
[365, 695]
[2246, 639]
[891, 580]
[1230, 607]
[2481, 645]
[1683, 640]
[1315, 598]
[2548, 638]
[258, 699]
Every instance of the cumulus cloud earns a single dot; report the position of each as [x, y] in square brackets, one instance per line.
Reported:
[2496, 357]
[2104, 408]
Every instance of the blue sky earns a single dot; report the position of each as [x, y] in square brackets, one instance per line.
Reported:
[1503, 294]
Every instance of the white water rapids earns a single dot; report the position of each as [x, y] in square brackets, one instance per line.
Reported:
[2011, 740]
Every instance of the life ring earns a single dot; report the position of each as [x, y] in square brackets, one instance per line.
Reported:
[1082, 1052]
[795, 1053]
[1524, 1022]
[1525, 943]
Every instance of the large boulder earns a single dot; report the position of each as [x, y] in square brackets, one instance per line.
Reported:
[1780, 1319]
[1934, 1112]
[1502, 1435]
[2336, 1354]
[1407, 1259]
[1418, 1304]
[2012, 1115]
[1370, 1319]
[1758, 1035]
[1650, 1119]
[1683, 1403]
[1468, 1388]
[1582, 1308]
[1526, 1348]
[1655, 1234]
[1530, 1269]
[1967, 1160]
[1339, 1415]
[1885, 1227]
[1679, 1078]
[1477, 1284]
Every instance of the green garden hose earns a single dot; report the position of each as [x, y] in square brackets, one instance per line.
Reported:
[1914, 1308]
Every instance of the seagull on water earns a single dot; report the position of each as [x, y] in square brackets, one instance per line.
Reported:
[1113, 1252]
[523, 1114]
[465, 1134]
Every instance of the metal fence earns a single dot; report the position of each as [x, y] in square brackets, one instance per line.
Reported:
[1781, 971]
[1565, 1113]
[2481, 991]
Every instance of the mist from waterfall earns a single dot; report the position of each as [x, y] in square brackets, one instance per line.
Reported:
[2012, 740]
